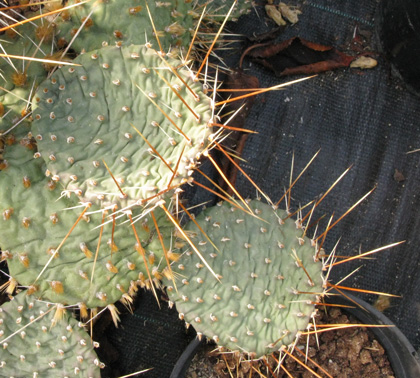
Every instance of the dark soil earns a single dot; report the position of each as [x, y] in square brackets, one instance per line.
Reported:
[346, 353]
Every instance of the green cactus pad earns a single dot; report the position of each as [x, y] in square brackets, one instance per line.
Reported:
[87, 117]
[35, 219]
[126, 22]
[34, 344]
[265, 297]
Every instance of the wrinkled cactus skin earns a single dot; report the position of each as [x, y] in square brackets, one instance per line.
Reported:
[86, 117]
[264, 297]
[72, 157]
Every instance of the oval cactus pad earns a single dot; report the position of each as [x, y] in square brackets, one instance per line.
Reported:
[269, 278]
[68, 252]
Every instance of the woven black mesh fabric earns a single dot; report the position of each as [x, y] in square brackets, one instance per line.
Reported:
[152, 337]
[361, 118]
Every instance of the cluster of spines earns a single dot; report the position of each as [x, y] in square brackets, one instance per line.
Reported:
[20, 78]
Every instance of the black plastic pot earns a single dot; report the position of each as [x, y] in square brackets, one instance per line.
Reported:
[399, 34]
[403, 358]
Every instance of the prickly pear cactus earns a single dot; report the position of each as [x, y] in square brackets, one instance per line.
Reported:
[125, 22]
[121, 112]
[269, 279]
[35, 344]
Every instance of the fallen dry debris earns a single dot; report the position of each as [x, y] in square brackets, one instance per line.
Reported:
[290, 13]
[364, 62]
[297, 56]
[275, 15]
[282, 12]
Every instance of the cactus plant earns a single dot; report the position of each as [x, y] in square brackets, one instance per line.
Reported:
[269, 276]
[77, 269]
[42, 340]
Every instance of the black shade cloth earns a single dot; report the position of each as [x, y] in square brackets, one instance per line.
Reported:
[364, 119]
[151, 338]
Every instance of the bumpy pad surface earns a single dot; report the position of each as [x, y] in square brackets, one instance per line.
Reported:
[126, 22]
[85, 117]
[33, 347]
[265, 296]
[36, 219]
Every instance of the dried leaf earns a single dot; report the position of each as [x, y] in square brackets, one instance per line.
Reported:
[237, 79]
[298, 56]
[398, 176]
[382, 303]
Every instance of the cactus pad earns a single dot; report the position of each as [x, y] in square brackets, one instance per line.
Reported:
[269, 279]
[86, 119]
[35, 344]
